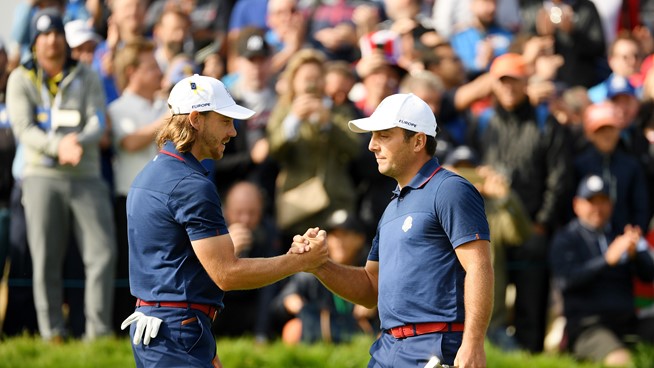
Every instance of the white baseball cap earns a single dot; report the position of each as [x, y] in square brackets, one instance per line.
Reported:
[402, 110]
[79, 32]
[201, 93]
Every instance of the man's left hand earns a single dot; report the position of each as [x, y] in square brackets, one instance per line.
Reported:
[149, 325]
[470, 355]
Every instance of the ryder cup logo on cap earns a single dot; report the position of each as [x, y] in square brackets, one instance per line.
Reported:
[45, 21]
[401, 110]
[592, 185]
[200, 93]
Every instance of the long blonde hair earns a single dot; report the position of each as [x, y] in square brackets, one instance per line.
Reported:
[178, 129]
[130, 56]
[302, 57]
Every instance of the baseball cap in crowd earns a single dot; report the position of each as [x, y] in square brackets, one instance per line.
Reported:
[591, 186]
[402, 110]
[201, 93]
[509, 65]
[599, 115]
[343, 219]
[617, 85]
[461, 155]
[79, 32]
[44, 21]
[251, 43]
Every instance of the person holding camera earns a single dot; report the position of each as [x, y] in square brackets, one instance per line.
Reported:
[309, 138]
[576, 28]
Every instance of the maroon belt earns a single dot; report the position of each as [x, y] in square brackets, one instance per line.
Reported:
[416, 329]
[207, 309]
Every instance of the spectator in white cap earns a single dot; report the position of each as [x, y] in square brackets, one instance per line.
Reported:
[181, 256]
[82, 40]
[432, 237]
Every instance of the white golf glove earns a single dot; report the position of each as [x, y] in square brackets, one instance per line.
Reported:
[147, 324]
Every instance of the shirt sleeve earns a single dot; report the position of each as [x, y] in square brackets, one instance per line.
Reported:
[195, 204]
[460, 208]
[373, 255]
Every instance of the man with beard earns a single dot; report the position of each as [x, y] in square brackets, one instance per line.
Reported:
[181, 255]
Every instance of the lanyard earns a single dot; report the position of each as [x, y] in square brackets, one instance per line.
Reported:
[48, 88]
[602, 242]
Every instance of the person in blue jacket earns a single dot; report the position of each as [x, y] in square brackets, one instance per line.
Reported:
[593, 265]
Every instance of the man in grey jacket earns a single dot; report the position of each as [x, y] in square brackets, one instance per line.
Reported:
[56, 107]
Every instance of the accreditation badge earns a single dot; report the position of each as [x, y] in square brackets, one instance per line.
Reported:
[43, 118]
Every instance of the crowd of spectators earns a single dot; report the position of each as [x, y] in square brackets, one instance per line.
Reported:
[82, 95]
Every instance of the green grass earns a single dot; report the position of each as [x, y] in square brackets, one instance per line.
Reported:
[245, 353]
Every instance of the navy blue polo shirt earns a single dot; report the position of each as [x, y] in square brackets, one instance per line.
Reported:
[171, 203]
[420, 277]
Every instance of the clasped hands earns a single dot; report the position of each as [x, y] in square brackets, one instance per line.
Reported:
[314, 244]
[623, 246]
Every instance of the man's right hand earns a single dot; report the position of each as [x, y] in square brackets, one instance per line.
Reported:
[305, 105]
[301, 243]
[622, 244]
[314, 244]
[69, 150]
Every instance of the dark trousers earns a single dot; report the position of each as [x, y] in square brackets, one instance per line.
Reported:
[123, 300]
[416, 351]
[528, 271]
[184, 340]
[21, 314]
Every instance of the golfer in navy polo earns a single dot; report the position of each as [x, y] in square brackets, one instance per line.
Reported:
[181, 257]
[429, 269]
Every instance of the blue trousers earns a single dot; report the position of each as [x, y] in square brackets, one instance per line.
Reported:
[184, 339]
[415, 351]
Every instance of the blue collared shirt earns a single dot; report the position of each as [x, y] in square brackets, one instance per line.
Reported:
[420, 277]
[171, 203]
